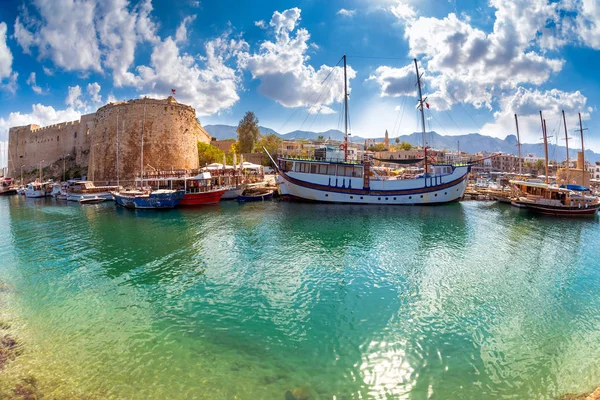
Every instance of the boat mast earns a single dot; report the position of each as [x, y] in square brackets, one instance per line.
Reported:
[345, 113]
[545, 144]
[142, 148]
[566, 143]
[582, 152]
[117, 148]
[518, 144]
[422, 113]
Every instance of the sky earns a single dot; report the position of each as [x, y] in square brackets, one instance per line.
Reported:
[481, 62]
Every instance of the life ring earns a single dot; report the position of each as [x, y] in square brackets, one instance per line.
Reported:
[342, 146]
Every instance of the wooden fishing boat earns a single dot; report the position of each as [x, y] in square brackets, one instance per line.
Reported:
[199, 189]
[7, 187]
[37, 189]
[552, 200]
[75, 190]
[149, 199]
[258, 196]
[544, 198]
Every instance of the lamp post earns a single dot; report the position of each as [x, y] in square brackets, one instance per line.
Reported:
[64, 170]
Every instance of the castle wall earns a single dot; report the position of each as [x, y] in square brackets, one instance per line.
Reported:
[170, 135]
[31, 145]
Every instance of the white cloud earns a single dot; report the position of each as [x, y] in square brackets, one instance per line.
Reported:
[395, 82]
[466, 64]
[209, 89]
[40, 115]
[111, 98]
[181, 34]
[73, 97]
[587, 22]
[527, 104]
[283, 70]
[85, 35]
[6, 59]
[261, 24]
[93, 90]
[31, 82]
[346, 13]
[403, 11]
[48, 71]
[6, 56]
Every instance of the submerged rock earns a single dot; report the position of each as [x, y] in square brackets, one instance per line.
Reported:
[300, 393]
[27, 390]
[9, 350]
[582, 396]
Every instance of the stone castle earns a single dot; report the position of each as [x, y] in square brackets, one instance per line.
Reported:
[168, 130]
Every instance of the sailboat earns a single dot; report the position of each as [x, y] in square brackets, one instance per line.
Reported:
[543, 198]
[349, 180]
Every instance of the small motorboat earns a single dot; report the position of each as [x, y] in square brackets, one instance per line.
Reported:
[91, 200]
[256, 196]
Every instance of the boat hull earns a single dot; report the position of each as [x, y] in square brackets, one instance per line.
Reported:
[441, 193]
[232, 194]
[33, 194]
[149, 201]
[79, 196]
[560, 211]
[8, 192]
[204, 198]
[261, 197]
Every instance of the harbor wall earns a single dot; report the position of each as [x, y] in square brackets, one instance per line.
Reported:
[170, 129]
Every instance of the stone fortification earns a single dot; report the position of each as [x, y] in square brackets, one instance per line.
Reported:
[170, 132]
[30, 145]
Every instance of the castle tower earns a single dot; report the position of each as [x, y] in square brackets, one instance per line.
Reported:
[170, 136]
[386, 140]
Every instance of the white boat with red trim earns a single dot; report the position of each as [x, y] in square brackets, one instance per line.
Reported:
[350, 180]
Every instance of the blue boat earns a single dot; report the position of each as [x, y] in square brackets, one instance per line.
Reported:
[149, 199]
[257, 197]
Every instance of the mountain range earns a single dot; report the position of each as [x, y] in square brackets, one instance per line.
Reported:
[470, 143]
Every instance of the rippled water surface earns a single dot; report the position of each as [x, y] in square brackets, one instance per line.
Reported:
[466, 301]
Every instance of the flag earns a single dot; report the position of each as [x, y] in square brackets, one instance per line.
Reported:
[427, 104]
[173, 91]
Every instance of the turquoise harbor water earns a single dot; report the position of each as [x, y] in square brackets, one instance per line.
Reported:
[466, 301]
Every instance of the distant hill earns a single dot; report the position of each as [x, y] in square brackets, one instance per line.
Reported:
[471, 143]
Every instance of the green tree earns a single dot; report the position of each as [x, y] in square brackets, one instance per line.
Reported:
[539, 164]
[271, 142]
[397, 140]
[377, 147]
[405, 146]
[208, 154]
[248, 132]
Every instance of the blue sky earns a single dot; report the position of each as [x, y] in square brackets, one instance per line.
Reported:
[483, 61]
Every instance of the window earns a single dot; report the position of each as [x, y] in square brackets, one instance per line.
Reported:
[331, 169]
[313, 168]
[323, 169]
[75, 135]
[357, 173]
[57, 138]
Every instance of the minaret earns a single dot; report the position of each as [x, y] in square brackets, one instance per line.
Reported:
[386, 141]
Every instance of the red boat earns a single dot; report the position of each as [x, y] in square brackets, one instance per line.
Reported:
[201, 198]
[199, 189]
